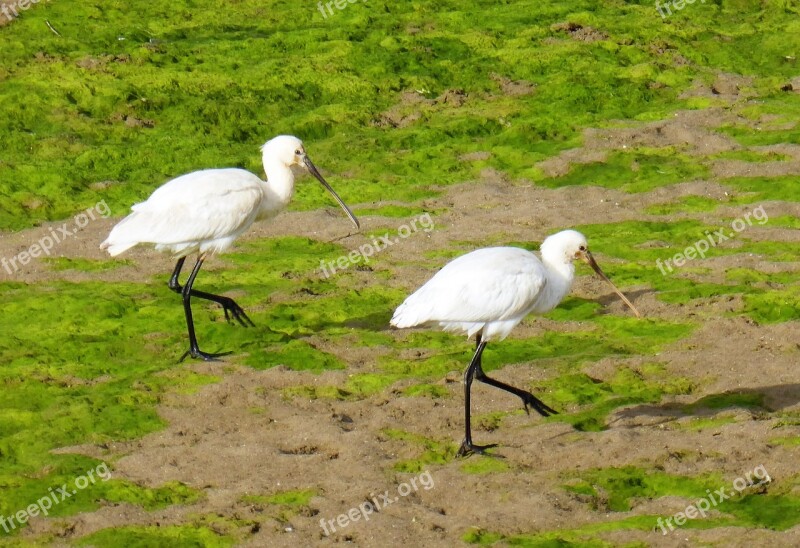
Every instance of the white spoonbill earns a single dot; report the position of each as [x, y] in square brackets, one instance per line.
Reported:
[205, 211]
[487, 292]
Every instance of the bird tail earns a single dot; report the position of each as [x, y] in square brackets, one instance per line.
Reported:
[406, 316]
[117, 249]
[120, 239]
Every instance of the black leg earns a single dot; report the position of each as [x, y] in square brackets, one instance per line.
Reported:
[475, 372]
[173, 280]
[528, 399]
[194, 350]
[232, 310]
[467, 447]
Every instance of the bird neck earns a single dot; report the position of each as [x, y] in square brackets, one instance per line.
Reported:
[560, 275]
[279, 188]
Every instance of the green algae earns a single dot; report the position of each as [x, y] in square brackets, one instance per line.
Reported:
[488, 421]
[581, 537]
[746, 155]
[357, 387]
[781, 305]
[394, 211]
[167, 535]
[295, 354]
[131, 95]
[616, 489]
[87, 487]
[633, 171]
[761, 189]
[789, 441]
[703, 423]
[433, 391]
[726, 400]
[284, 505]
[85, 265]
[128, 101]
[648, 241]
[292, 498]
[597, 399]
[561, 352]
[649, 250]
[606, 336]
[748, 505]
[434, 452]
[91, 365]
[747, 137]
[485, 465]
[686, 204]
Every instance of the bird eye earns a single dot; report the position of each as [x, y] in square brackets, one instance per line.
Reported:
[298, 152]
[582, 248]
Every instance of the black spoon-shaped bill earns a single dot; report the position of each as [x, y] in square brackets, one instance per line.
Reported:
[312, 169]
[587, 256]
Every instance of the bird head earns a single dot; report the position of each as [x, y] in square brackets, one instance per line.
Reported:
[286, 149]
[570, 245]
[565, 247]
[289, 150]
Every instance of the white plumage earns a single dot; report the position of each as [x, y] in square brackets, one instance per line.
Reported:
[487, 292]
[209, 221]
[491, 290]
[205, 211]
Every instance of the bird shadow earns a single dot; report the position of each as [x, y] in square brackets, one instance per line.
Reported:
[376, 322]
[612, 297]
[765, 399]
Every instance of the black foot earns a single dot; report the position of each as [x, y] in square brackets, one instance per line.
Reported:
[235, 312]
[468, 448]
[529, 400]
[200, 355]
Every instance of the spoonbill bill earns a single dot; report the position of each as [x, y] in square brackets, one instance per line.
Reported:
[204, 211]
[487, 292]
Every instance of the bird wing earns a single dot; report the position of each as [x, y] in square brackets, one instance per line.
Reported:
[202, 205]
[490, 284]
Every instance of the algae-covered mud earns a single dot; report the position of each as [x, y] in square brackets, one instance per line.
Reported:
[667, 135]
